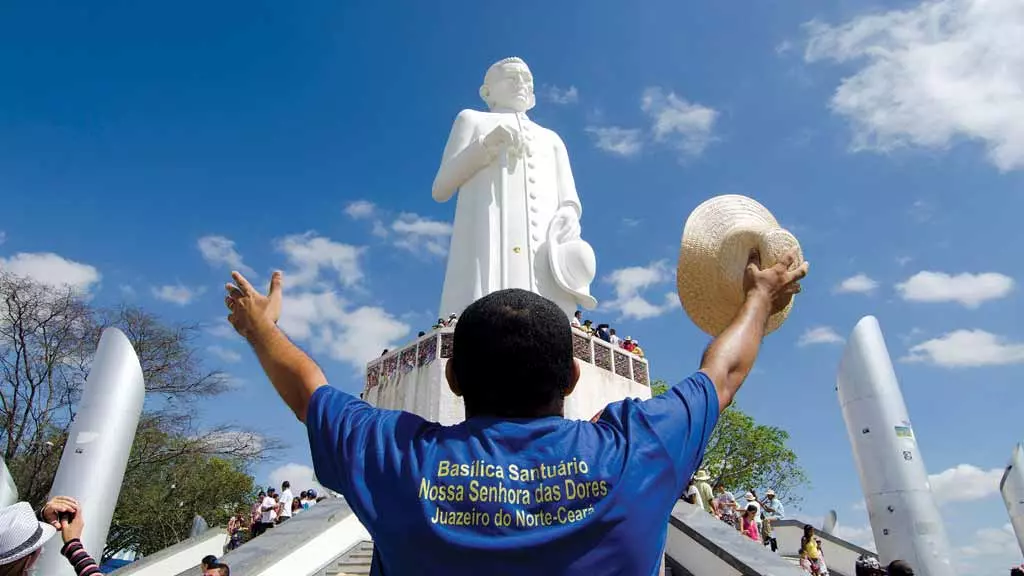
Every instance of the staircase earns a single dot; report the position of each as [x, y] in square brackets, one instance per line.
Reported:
[355, 562]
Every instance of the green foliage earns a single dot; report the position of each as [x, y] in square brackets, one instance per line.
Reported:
[658, 387]
[743, 454]
[158, 502]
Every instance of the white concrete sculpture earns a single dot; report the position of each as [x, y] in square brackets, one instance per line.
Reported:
[517, 217]
[1011, 486]
[99, 442]
[904, 518]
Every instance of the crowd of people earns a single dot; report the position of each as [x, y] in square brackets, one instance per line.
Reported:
[607, 333]
[753, 517]
[269, 509]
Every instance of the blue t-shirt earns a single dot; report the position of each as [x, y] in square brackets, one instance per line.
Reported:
[521, 496]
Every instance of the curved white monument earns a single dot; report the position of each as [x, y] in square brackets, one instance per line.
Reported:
[99, 442]
[1011, 486]
[904, 518]
[517, 218]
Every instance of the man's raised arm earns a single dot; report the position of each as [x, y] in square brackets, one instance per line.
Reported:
[294, 375]
[731, 355]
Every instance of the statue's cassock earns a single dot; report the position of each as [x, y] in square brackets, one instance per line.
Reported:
[542, 210]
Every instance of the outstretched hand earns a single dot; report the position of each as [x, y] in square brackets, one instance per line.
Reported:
[250, 309]
[777, 283]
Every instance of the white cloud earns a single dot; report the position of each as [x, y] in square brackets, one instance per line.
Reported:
[418, 234]
[225, 354]
[238, 442]
[859, 284]
[221, 328]
[860, 535]
[629, 282]
[964, 483]
[967, 349]
[819, 335]
[220, 251]
[971, 290]
[360, 209]
[332, 326]
[929, 74]
[314, 312]
[557, 95]
[310, 254]
[992, 551]
[176, 293]
[921, 211]
[299, 476]
[379, 229]
[52, 270]
[685, 125]
[616, 140]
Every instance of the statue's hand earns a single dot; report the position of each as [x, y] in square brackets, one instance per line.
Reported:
[565, 226]
[503, 138]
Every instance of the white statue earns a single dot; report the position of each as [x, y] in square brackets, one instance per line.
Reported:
[517, 220]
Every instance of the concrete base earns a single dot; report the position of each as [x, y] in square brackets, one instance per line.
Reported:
[423, 390]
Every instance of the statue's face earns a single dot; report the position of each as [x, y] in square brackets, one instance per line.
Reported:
[511, 87]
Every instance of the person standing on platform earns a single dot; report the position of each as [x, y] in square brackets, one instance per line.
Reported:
[516, 488]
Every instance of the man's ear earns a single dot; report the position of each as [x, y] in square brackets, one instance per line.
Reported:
[575, 378]
[485, 93]
[449, 375]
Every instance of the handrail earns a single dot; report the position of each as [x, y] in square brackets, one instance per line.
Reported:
[438, 343]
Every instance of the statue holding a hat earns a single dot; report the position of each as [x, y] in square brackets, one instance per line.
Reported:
[517, 217]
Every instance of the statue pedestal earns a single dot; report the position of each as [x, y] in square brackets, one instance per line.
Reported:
[412, 378]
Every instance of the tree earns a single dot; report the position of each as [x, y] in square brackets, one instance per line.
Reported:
[47, 338]
[743, 454]
[158, 501]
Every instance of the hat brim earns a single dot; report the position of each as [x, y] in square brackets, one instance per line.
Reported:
[38, 540]
[581, 295]
[717, 239]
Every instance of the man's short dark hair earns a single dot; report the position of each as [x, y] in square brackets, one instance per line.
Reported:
[899, 568]
[286, 485]
[512, 355]
[209, 561]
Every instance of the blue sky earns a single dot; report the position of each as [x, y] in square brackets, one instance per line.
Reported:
[146, 149]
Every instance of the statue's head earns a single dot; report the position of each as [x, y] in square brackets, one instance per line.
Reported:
[509, 84]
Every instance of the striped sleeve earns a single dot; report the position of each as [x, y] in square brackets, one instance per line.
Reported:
[80, 560]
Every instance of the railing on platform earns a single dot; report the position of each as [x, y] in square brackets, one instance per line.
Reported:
[438, 344]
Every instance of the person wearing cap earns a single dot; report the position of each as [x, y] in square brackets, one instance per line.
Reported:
[22, 536]
[704, 488]
[516, 488]
[772, 510]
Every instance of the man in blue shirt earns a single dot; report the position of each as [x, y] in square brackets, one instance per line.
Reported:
[516, 488]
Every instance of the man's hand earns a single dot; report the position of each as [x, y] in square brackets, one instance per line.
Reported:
[250, 309]
[504, 138]
[778, 283]
[730, 357]
[59, 505]
[565, 225]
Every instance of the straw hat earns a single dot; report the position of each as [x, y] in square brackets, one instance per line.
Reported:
[702, 476]
[21, 533]
[713, 254]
